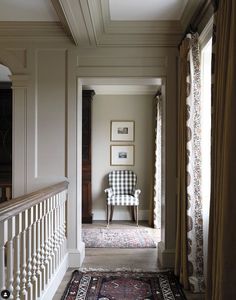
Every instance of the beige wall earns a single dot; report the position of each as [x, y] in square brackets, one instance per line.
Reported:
[137, 108]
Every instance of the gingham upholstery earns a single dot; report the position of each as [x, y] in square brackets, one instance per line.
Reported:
[122, 188]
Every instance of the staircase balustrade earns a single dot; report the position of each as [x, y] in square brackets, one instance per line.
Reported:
[32, 241]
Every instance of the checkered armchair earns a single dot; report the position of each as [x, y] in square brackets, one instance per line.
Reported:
[122, 191]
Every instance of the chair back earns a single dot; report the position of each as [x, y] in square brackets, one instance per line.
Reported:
[123, 182]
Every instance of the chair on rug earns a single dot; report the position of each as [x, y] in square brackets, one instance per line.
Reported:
[122, 191]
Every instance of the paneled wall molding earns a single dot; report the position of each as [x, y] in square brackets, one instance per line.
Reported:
[32, 30]
[20, 54]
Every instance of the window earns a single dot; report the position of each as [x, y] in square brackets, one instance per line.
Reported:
[206, 139]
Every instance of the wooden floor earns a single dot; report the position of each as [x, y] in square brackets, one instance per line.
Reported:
[119, 259]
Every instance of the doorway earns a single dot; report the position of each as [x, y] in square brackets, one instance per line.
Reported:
[107, 86]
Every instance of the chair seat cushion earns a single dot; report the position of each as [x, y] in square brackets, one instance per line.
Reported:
[122, 200]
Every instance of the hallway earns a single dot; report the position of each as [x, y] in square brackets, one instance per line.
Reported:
[115, 258]
[107, 259]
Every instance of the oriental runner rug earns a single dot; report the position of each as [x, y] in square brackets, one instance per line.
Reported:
[123, 286]
[117, 238]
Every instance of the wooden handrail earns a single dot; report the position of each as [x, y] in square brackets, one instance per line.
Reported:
[20, 204]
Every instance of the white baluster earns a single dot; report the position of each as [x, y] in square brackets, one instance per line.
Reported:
[38, 240]
[34, 252]
[57, 239]
[17, 255]
[23, 255]
[49, 245]
[29, 254]
[53, 233]
[46, 238]
[62, 208]
[59, 228]
[10, 276]
[64, 222]
[3, 240]
[42, 231]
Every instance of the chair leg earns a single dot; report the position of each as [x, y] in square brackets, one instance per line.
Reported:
[108, 214]
[132, 213]
[111, 215]
[137, 215]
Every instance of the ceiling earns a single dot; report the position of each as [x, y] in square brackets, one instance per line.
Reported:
[148, 10]
[95, 23]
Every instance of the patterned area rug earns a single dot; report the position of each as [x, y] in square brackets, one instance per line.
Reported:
[117, 238]
[123, 286]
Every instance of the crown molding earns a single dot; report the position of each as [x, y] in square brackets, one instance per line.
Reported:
[78, 19]
[61, 16]
[32, 30]
[140, 40]
[90, 25]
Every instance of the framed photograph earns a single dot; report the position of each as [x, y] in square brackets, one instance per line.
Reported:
[122, 155]
[122, 131]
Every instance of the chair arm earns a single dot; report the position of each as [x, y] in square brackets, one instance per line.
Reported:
[137, 193]
[109, 191]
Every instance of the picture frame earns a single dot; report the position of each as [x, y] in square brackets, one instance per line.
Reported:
[122, 131]
[122, 155]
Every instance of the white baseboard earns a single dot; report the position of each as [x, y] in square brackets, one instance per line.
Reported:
[120, 214]
[166, 257]
[56, 280]
[76, 256]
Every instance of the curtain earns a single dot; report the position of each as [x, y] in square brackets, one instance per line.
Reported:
[189, 245]
[222, 242]
[158, 159]
[181, 269]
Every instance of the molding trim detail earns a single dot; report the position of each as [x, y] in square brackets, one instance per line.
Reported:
[57, 279]
[90, 25]
[32, 30]
[19, 81]
[76, 256]
[166, 257]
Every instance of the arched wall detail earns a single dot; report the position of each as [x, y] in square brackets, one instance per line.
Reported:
[11, 61]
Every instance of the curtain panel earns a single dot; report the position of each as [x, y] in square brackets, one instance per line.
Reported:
[181, 269]
[158, 160]
[222, 237]
[189, 244]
